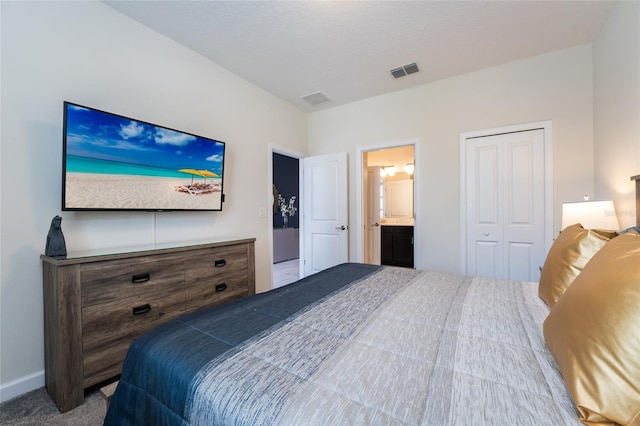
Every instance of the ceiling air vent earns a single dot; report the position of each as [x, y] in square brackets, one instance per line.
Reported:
[398, 72]
[316, 98]
[404, 70]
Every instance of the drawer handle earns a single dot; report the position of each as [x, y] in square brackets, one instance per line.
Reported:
[142, 309]
[221, 287]
[140, 278]
[219, 263]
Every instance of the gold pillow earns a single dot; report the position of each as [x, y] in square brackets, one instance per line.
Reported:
[593, 333]
[567, 256]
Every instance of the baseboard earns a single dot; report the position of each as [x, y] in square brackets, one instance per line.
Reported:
[21, 386]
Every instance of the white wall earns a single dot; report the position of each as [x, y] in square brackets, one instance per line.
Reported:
[88, 53]
[555, 86]
[616, 72]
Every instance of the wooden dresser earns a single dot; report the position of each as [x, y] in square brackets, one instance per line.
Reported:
[96, 304]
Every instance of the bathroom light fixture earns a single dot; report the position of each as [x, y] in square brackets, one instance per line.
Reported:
[387, 171]
[408, 169]
[392, 170]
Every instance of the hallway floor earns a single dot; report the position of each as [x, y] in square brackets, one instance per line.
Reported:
[285, 272]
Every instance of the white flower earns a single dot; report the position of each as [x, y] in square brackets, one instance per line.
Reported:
[287, 209]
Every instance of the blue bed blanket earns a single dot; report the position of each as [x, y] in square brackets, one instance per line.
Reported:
[161, 366]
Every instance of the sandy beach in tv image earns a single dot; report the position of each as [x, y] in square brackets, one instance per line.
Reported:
[114, 162]
[108, 191]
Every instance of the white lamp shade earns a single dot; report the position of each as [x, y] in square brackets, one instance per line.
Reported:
[590, 214]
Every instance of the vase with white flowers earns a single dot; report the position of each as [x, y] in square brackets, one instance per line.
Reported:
[287, 208]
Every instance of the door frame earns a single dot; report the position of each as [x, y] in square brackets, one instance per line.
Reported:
[294, 154]
[547, 127]
[360, 211]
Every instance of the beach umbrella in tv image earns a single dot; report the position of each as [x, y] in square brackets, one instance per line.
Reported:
[192, 172]
[206, 174]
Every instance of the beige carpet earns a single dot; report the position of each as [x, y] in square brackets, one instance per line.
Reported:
[37, 409]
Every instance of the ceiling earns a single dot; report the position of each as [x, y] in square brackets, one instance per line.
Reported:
[346, 49]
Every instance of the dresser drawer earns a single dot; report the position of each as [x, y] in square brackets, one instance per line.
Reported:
[123, 316]
[102, 359]
[214, 262]
[105, 282]
[109, 328]
[221, 288]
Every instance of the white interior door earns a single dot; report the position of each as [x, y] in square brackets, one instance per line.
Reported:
[484, 213]
[373, 207]
[325, 212]
[506, 205]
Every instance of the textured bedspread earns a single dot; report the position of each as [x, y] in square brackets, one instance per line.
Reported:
[356, 345]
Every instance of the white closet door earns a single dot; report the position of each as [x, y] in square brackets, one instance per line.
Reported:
[484, 207]
[505, 205]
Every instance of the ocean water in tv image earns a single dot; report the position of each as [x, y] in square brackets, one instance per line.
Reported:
[77, 164]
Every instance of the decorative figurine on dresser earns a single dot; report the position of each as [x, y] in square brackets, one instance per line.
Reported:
[56, 246]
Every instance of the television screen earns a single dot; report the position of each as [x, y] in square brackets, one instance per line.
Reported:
[111, 162]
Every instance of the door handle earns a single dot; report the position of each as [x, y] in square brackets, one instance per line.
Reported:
[341, 228]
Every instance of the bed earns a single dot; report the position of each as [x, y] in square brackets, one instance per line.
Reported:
[355, 344]
[362, 344]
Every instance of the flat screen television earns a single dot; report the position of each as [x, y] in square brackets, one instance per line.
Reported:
[111, 162]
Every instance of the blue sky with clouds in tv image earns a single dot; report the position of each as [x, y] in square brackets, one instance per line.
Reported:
[93, 134]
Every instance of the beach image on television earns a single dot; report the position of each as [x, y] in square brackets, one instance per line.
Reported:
[113, 162]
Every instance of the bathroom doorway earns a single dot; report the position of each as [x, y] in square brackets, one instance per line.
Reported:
[388, 205]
